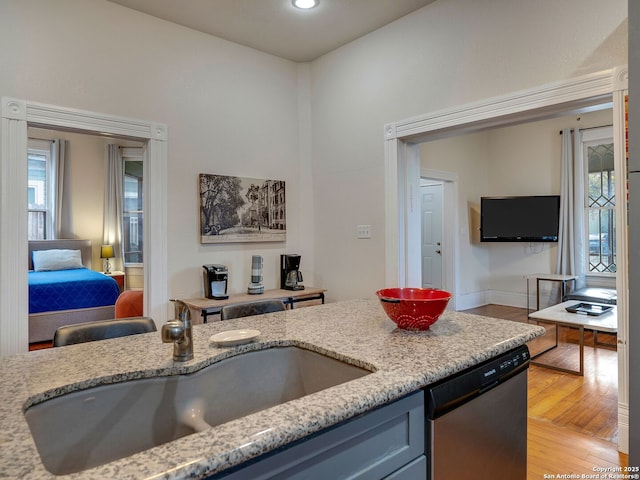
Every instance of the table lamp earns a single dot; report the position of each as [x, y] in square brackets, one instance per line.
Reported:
[106, 251]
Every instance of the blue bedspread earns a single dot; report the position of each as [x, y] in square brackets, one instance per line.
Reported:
[70, 289]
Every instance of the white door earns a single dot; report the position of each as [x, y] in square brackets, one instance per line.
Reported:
[431, 211]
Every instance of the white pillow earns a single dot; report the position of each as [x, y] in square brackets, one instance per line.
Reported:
[45, 260]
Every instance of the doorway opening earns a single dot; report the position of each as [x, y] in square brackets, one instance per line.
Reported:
[17, 116]
[431, 193]
[438, 227]
[402, 177]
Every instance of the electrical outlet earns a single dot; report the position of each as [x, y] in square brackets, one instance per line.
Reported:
[364, 231]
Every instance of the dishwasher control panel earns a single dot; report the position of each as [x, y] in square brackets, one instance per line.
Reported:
[475, 381]
[497, 368]
[513, 362]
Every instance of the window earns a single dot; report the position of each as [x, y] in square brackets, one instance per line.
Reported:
[133, 207]
[39, 197]
[600, 199]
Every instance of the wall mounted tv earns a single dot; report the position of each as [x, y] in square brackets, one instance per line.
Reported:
[520, 219]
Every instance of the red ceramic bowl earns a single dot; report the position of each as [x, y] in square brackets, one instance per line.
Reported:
[413, 308]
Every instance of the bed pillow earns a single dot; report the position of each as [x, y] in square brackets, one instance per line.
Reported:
[46, 260]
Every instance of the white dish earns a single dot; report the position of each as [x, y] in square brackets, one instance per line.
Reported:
[234, 337]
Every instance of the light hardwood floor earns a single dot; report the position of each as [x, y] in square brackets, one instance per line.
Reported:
[573, 423]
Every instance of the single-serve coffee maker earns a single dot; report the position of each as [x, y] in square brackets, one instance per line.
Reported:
[290, 275]
[215, 281]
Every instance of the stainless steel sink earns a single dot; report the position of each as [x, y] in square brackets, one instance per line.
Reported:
[95, 426]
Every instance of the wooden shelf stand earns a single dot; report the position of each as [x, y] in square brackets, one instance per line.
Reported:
[205, 307]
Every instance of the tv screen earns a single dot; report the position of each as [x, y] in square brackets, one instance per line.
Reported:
[520, 219]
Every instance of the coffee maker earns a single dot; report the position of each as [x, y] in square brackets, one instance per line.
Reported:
[215, 281]
[290, 275]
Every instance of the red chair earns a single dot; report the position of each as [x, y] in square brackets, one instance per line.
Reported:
[129, 304]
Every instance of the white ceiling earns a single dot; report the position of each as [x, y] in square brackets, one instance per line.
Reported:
[278, 28]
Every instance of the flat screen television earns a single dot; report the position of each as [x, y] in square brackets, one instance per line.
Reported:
[520, 219]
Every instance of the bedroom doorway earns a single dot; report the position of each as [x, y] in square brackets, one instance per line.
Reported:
[17, 116]
[78, 213]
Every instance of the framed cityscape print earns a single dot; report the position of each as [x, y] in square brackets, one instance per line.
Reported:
[238, 209]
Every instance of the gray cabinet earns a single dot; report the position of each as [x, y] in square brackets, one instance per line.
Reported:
[415, 470]
[386, 443]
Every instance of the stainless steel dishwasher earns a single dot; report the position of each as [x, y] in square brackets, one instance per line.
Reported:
[477, 421]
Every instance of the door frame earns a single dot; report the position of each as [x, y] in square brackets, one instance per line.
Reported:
[16, 116]
[402, 166]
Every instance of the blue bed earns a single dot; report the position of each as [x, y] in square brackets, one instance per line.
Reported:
[70, 289]
[67, 296]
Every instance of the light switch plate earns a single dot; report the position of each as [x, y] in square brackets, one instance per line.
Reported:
[364, 231]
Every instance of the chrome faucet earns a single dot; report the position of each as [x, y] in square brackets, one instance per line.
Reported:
[179, 332]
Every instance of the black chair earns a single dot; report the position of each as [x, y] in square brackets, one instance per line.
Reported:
[101, 330]
[247, 309]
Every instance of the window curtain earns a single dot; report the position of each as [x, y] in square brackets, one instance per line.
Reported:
[113, 198]
[59, 154]
[571, 238]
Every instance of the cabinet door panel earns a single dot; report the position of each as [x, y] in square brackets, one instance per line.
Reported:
[371, 446]
[415, 470]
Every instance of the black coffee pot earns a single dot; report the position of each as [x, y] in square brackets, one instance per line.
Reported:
[290, 275]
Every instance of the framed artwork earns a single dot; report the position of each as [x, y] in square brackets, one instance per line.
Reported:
[238, 209]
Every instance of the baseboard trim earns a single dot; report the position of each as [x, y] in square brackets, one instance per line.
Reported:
[510, 299]
[471, 300]
[486, 297]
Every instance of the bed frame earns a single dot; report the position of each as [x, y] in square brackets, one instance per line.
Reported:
[43, 325]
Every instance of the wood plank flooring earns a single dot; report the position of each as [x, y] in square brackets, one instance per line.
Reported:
[573, 420]
[40, 345]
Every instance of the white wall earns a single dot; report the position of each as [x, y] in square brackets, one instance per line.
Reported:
[449, 53]
[83, 203]
[517, 160]
[230, 110]
[525, 160]
[83, 186]
[467, 156]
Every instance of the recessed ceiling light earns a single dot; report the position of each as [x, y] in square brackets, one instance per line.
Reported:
[305, 4]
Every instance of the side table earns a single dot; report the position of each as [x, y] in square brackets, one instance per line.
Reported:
[205, 307]
[564, 281]
[558, 316]
[118, 277]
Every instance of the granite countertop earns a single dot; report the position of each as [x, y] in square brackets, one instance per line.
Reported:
[357, 331]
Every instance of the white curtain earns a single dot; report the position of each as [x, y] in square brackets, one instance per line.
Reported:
[59, 154]
[113, 198]
[571, 238]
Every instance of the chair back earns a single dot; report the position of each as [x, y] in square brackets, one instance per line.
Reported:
[130, 304]
[247, 309]
[101, 330]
